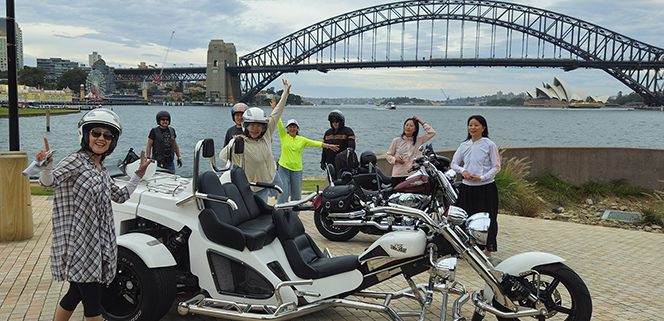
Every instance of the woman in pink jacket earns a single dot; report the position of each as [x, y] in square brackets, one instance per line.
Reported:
[405, 148]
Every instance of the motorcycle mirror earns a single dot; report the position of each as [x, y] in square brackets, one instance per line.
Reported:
[208, 147]
[239, 146]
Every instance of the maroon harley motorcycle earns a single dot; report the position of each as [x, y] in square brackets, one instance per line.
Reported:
[343, 209]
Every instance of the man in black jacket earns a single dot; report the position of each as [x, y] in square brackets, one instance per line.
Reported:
[338, 134]
[162, 144]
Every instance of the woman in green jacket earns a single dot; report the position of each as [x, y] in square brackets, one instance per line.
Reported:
[290, 162]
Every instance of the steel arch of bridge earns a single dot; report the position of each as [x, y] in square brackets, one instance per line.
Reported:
[576, 43]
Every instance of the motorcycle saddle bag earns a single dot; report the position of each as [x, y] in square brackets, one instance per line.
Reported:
[340, 198]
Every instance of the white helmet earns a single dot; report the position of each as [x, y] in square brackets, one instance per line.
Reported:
[254, 115]
[99, 117]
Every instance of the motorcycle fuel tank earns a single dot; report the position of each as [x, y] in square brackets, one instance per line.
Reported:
[418, 183]
[396, 245]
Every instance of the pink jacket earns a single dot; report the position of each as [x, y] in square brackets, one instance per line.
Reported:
[403, 146]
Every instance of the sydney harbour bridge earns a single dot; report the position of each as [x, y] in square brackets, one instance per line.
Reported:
[429, 33]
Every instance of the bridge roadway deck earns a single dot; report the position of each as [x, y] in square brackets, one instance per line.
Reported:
[622, 268]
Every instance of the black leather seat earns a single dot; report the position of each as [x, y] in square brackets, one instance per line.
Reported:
[304, 256]
[369, 179]
[251, 225]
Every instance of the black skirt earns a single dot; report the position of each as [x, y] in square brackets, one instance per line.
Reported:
[482, 198]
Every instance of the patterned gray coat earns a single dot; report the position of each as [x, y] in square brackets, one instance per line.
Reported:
[84, 247]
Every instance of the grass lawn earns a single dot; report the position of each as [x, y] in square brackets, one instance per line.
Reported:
[309, 185]
[4, 111]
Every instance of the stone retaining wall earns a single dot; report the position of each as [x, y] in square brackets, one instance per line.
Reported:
[641, 167]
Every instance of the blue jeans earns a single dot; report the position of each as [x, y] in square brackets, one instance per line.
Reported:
[292, 184]
[267, 192]
[167, 165]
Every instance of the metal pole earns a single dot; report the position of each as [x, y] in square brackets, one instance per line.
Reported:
[12, 85]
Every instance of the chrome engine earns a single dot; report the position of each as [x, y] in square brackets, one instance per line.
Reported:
[418, 201]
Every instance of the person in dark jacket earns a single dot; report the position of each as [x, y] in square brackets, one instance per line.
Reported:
[338, 134]
[236, 130]
[162, 143]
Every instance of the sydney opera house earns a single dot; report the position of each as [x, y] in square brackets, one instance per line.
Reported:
[559, 94]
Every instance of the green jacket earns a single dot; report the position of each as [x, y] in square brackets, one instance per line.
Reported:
[291, 148]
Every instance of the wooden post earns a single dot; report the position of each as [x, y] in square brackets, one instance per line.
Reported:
[15, 199]
[48, 119]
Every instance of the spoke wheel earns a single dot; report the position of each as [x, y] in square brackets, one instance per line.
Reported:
[563, 292]
[332, 232]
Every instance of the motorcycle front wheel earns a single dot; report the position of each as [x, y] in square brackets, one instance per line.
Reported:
[563, 292]
[332, 232]
[138, 292]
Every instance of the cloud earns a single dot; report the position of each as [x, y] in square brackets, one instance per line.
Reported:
[128, 32]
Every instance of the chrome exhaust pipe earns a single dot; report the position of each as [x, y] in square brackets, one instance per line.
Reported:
[478, 302]
[377, 225]
[220, 309]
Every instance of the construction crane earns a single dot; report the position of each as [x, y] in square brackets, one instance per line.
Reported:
[158, 77]
[446, 96]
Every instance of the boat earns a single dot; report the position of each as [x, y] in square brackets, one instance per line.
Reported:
[585, 105]
[391, 105]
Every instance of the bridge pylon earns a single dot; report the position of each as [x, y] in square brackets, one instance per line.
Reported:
[221, 85]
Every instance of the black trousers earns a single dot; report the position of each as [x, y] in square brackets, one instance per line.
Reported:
[89, 293]
[482, 198]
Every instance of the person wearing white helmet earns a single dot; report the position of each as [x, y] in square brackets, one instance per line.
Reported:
[258, 127]
[84, 248]
[235, 130]
[290, 161]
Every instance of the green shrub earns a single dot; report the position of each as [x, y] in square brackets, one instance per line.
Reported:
[651, 216]
[555, 189]
[515, 193]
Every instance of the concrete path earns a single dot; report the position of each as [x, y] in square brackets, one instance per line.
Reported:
[623, 269]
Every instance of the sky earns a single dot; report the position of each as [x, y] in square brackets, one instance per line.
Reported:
[126, 33]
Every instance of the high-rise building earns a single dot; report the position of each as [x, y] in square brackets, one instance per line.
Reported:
[3, 46]
[94, 57]
[55, 67]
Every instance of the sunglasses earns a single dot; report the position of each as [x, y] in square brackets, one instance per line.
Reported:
[96, 133]
[162, 119]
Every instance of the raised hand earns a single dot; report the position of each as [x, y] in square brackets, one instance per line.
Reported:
[42, 154]
[286, 86]
[143, 165]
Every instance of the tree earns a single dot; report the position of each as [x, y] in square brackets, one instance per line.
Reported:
[3, 77]
[32, 76]
[72, 79]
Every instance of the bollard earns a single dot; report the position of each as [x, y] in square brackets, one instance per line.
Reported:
[15, 200]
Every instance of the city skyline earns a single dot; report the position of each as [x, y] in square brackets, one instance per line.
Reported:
[135, 32]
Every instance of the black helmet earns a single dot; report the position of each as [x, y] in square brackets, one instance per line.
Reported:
[368, 157]
[238, 108]
[338, 116]
[163, 113]
[99, 117]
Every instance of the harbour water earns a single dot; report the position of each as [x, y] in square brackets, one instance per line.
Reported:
[374, 126]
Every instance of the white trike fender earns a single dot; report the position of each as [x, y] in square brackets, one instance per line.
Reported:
[522, 262]
[153, 253]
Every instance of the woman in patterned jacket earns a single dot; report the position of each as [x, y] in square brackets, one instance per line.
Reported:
[84, 249]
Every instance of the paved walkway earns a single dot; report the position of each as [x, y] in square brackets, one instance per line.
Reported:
[623, 269]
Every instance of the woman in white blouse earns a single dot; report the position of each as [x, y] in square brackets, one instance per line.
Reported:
[481, 162]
